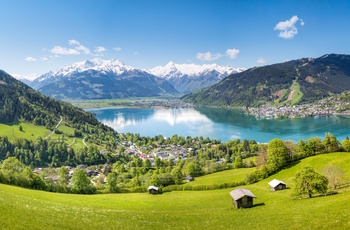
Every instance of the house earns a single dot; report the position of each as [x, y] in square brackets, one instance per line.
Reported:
[153, 189]
[189, 178]
[277, 185]
[242, 198]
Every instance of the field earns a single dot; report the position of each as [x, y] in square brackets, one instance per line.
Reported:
[29, 209]
[129, 102]
[32, 132]
[222, 177]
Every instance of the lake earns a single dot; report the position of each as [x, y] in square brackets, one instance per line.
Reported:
[223, 124]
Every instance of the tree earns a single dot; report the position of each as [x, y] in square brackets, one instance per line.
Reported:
[192, 168]
[346, 145]
[64, 176]
[309, 182]
[81, 182]
[238, 163]
[262, 155]
[177, 175]
[277, 154]
[334, 174]
[112, 182]
[330, 143]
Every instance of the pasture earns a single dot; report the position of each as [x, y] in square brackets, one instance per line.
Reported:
[22, 208]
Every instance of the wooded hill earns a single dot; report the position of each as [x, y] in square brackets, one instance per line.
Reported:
[293, 82]
[19, 103]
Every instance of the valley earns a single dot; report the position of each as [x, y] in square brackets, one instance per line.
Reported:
[174, 115]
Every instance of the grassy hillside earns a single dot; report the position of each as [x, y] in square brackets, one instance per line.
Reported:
[293, 82]
[32, 132]
[223, 177]
[23, 209]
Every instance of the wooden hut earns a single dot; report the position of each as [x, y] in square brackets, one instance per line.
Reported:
[277, 185]
[153, 189]
[242, 198]
[189, 178]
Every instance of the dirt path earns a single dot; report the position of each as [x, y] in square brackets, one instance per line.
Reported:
[55, 128]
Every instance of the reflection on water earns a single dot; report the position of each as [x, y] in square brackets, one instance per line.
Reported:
[223, 124]
[180, 116]
[171, 116]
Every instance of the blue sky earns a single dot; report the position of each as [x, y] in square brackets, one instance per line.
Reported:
[38, 36]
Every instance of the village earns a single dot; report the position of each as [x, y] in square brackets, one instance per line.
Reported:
[324, 107]
[161, 152]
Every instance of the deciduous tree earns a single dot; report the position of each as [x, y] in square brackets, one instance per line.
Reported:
[277, 154]
[334, 174]
[309, 182]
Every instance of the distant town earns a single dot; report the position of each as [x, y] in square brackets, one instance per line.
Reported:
[323, 107]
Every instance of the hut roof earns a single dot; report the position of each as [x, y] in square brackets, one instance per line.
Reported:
[152, 187]
[276, 182]
[241, 192]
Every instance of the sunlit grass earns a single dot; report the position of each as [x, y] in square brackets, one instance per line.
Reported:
[228, 176]
[30, 131]
[29, 209]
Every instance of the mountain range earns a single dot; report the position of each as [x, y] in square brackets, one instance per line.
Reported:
[187, 78]
[108, 79]
[100, 79]
[288, 83]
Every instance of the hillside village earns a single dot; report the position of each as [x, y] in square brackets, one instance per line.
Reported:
[324, 107]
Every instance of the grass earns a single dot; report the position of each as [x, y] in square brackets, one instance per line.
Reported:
[104, 103]
[297, 94]
[227, 176]
[23, 208]
[30, 131]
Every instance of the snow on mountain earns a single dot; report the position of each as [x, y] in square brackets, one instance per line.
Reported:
[179, 70]
[103, 66]
[187, 78]
[101, 79]
[27, 79]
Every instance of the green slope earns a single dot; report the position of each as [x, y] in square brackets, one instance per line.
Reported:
[292, 82]
[23, 209]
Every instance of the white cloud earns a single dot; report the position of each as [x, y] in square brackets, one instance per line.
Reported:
[136, 52]
[73, 42]
[208, 56]
[261, 61]
[44, 58]
[59, 50]
[79, 47]
[76, 50]
[117, 49]
[232, 53]
[100, 49]
[29, 58]
[288, 28]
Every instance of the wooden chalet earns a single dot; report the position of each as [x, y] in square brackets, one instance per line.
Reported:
[277, 185]
[242, 198]
[153, 189]
[189, 178]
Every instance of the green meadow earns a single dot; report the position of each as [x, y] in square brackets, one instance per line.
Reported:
[29, 209]
[32, 132]
[223, 177]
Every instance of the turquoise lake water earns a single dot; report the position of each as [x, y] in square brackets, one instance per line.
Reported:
[223, 124]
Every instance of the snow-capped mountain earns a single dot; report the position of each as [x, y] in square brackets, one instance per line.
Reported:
[104, 66]
[103, 79]
[25, 79]
[187, 78]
